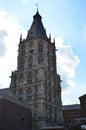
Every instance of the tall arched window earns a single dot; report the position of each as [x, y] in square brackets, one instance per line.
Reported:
[30, 62]
[40, 47]
[40, 59]
[22, 50]
[29, 80]
[29, 94]
[21, 79]
[21, 65]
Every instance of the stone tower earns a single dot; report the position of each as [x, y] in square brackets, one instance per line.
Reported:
[36, 81]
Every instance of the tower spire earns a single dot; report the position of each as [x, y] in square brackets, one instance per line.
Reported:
[37, 6]
[37, 29]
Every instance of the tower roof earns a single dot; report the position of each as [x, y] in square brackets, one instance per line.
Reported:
[37, 29]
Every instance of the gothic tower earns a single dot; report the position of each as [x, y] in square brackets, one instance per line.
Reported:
[36, 81]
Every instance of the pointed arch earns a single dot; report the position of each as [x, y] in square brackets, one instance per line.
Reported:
[21, 79]
[40, 47]
[29, 78]
[29, 94]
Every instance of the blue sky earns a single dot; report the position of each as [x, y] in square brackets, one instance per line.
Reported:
[66, 21]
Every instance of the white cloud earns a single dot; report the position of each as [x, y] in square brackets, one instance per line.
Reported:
[2, 43]
[24, 1]
[66, 64]
[9, 38]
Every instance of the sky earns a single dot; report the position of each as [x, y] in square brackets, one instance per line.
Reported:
[66, 21]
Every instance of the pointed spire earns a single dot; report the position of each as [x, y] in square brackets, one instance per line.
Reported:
[37, 16]
[37, 6]
[37, 29]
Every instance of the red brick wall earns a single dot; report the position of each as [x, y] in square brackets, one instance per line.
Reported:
[83, 107]
[14, 116]
[69, 117]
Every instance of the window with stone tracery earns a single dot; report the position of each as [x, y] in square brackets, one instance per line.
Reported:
[29, 94]
[40, 48]
[22, 50]
[29, 80]
[21, 79]
[40, 59]
[21, 65]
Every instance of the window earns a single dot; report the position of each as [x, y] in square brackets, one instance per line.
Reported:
[40, 47]
[68, 114]
[21, 79]
[40, 59]
[22, 50]
[77, 114]
[30, 62]
[21, 65]
[29, 94]
[29, 80]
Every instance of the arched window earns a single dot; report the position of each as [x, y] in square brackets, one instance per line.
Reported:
[40, 59]
[40, 47]
[30, 62]
[29, 80]
[21, 79]
[22, 50]
[29, 94]
[21, 65]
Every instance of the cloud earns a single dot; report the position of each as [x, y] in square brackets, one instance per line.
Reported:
[9, 38]
[67, 62]
[24, 1]
[2, 44]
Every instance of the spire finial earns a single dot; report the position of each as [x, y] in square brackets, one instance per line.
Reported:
[37, 6]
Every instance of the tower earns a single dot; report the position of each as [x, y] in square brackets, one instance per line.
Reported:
[36, 81]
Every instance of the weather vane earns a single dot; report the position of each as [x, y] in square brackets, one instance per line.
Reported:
[37, 6]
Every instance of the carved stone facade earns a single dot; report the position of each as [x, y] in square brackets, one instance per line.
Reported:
[36, 81]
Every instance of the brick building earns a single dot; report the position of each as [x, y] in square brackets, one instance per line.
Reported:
[75, 115]
[14, 115]
[70, 113]
[83, 111]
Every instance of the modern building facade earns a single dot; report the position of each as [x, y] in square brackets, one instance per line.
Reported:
[36, 81]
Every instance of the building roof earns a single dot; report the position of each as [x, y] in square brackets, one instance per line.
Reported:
[4, 96]
[83, 96]
[5, 91]
[71, 107]
[37, 29]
